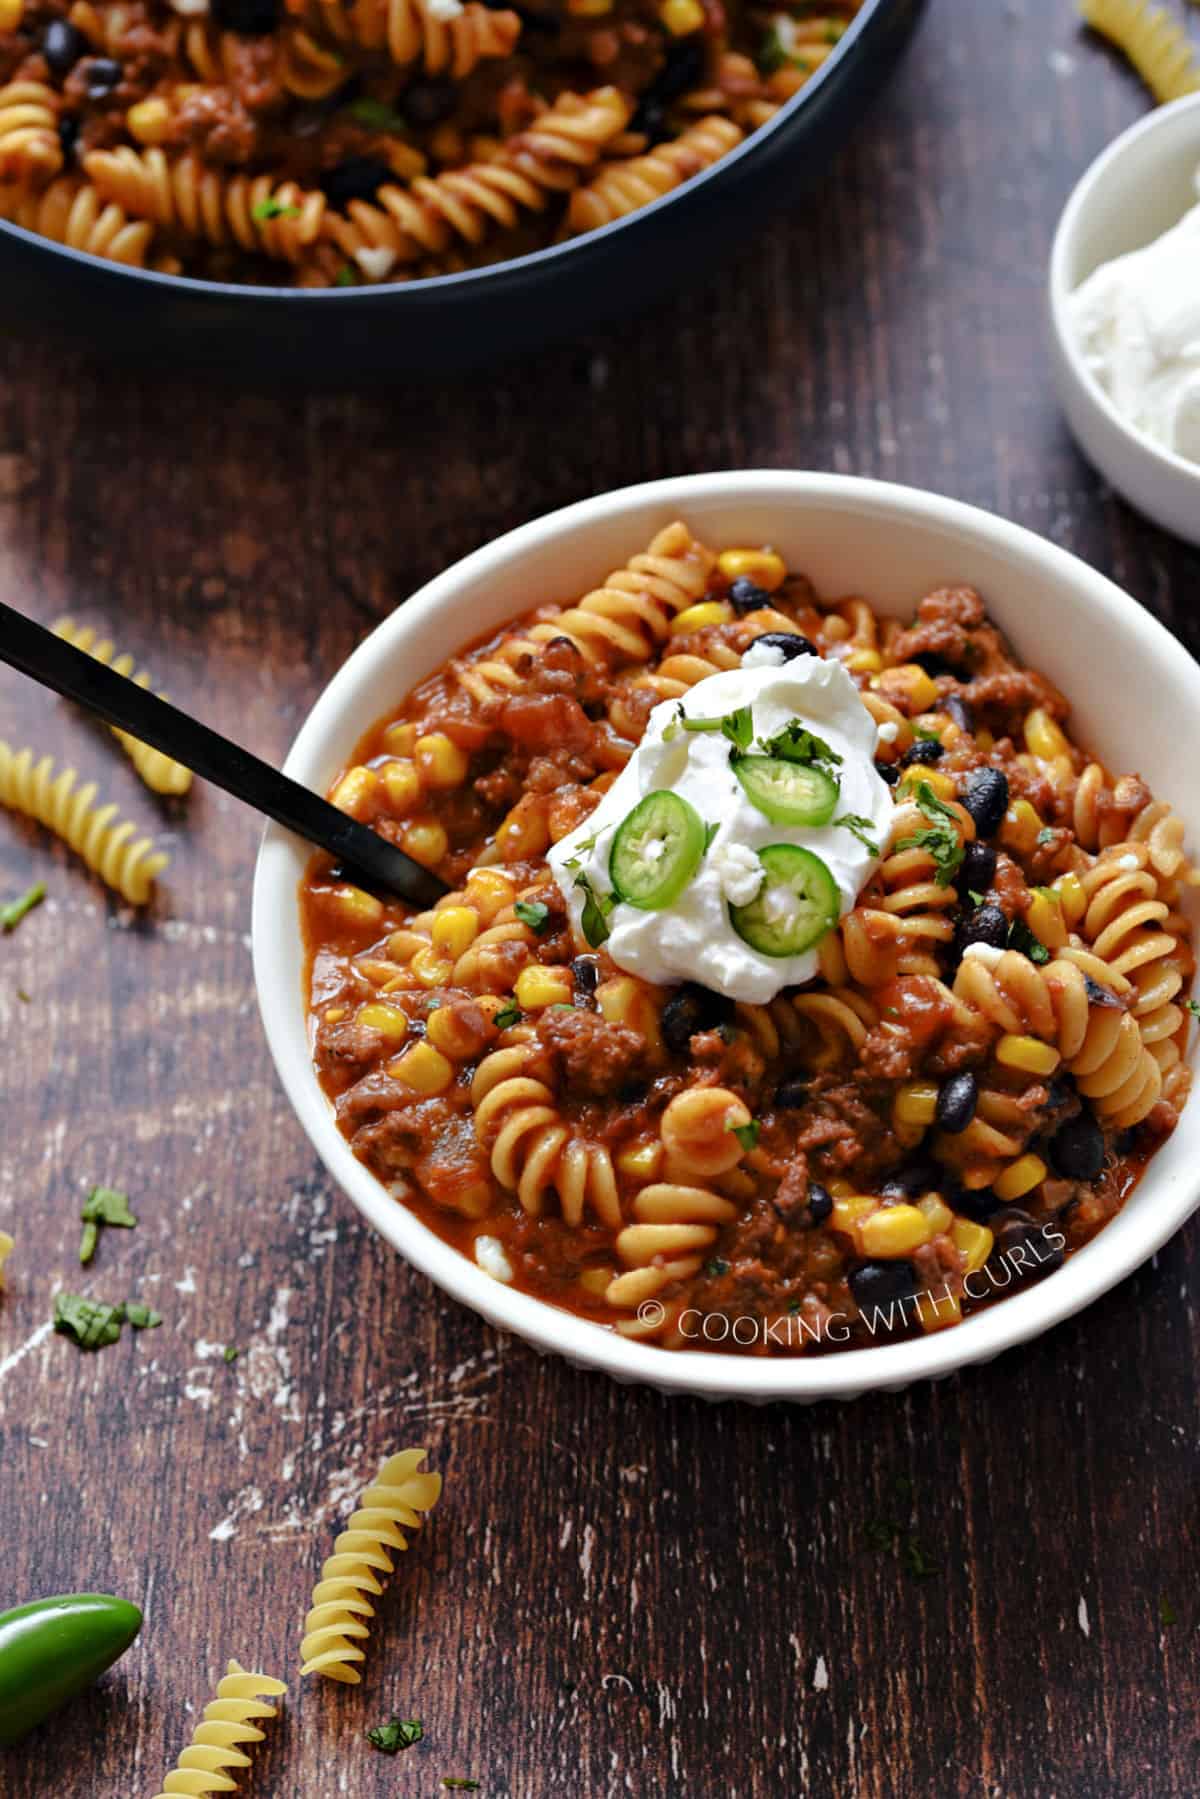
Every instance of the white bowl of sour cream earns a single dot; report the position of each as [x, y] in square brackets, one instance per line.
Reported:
[1124, 302]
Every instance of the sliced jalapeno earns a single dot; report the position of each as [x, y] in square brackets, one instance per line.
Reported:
[797, 903]
[788, 793]
[656, 851]
[53, 1648]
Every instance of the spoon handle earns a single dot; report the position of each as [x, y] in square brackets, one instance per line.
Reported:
[38, 653]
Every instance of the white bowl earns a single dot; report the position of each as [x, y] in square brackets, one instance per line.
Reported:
[893, 544]
[1141, 186]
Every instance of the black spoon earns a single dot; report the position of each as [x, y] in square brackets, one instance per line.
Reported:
[57, 664]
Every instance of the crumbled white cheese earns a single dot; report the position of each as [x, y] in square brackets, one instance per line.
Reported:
[489, 1253]
[443, 10]
[376, 265]
[889, 730]
[189, 9]
[1128, 862]
[763, 655]
[987, 953]
[739, 871]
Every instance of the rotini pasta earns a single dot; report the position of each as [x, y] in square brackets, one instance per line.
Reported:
[992, 1042]
[1155, 44]
[256, 213]
[161, 773]
[230, 1720]
[443, 40]
[72, 212]
[625, 185]
[29, 145]
[128, 864]
[336, 1628]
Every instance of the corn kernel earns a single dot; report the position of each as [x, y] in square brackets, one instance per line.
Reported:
[431, 968]
[425, 841]
[696, 618]
[937, 1311]
[1020, 828]
[839, 1188]
[974, 1241]
[400, 739]
[1027, 1053]
[894, 1231]
[918, 689]
[1045, 920]
[849, 1211]
[1072, 898]
[934, 1208]
[389, 1021]
[335, 1014]
[864, 662]
[641, 1161]
[441, 762]
[402, 785]
[1043, 737]
[942, 784]
[354, 792]
[1021, 1176]
[361, 910]
[597, 1281]
[424, 1069]
[681, 17]
[455, 930]
[764, 567]
[488, 892]
[915, 1103]
[453, 1034]
[524, 832]
[537, 987]
[149, 121]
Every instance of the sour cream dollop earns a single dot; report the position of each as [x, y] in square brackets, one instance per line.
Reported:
[1137, 322]
[693, 938]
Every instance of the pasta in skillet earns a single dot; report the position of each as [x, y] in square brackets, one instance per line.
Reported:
[323, 144]
[959, 1088]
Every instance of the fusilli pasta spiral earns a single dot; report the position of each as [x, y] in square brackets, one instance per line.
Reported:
[276, 218]
[413, 31]
[334, 1628]
[1154, 43]
[71, 212]
[128, 864]
[230, 1720]
[161, 773]
[29, 146]
[623, 186]
[532, 1151]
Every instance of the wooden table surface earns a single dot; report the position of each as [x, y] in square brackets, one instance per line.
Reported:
[619, 1594]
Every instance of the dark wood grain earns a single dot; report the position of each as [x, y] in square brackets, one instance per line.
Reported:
[619, 1594]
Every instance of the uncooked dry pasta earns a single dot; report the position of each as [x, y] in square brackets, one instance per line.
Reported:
[322, 144]
[990, 1044]
[160, 772]
[110, 846]
[1155, 44]
[215, 1753]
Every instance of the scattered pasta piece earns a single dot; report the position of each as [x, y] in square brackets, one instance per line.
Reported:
[162, 774]
[1157, 47]
[339, 1607]
[127, 864]
[228, 1721]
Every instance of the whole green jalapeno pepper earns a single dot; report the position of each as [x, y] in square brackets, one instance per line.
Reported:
[52, 1648]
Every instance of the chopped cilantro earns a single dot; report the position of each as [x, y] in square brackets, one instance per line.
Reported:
[926, 734]
[507, 1016]
[1192, 1006]
[104, 1205]
[12, 914]
[772, 56]
[90, 1323]
[271, 208]
[940, 840]
[710, 832]
[533, 913]
[747, 1134]
[24, 997]
[229, 1353]
[796, 743]
[737, 726]
[976, 899]
[717, 1267]
[346, 276]
[860, 827]
[596, 908]
[1022, 939]
[1046, 834]
[377, 115]
[1166, 1611]
[396, 1734]
[141, 1317]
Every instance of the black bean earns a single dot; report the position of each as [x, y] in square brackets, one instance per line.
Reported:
[650, 119]
[921, 1176]
[956, 1102]
[977, 868]
[101, 76]
[977, 1203]
[888, 772]
[882, 1284]
[986, 924]
[683, 69]
[1060, 1091]
[586, 970]
[925, 750]
[746, 596]
[790, 642]
[632, 1093]
[1022, 1246]
[428, 102]
[1077, 1148]
[692, 1008]
[1099, 995]
[933, 664]
[820, 1202]
[959, 709]
[250, 18]
[792, 1092]
[68, 134]
[62, 46]
[358, 178]
[985, 796]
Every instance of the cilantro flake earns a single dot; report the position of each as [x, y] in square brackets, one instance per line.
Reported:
[596, 908]
[716, 1267]
[940, 840]
[396, 1734]
[710, 832]
[89, 1323]
[1022, 939]
[377, 115]
[861, 828]
[533, 913]
[796, 743]
[507, 1016]
[104, 1205]
[12, 914]
[1192, 1006]
[346, 276]
[229, 1353]
[747, 1134]
[271, 208]
[141, 1317]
